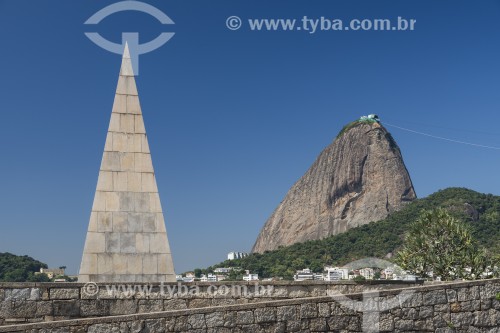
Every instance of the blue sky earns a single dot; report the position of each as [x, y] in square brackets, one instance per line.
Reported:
[234, 118]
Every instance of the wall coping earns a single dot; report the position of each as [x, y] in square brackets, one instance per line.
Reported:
[21, 285]
[239, 307]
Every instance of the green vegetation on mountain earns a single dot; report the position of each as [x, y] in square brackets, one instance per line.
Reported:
[481, 212]
[20, 269]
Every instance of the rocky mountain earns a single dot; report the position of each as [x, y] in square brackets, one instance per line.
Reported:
[359, 178]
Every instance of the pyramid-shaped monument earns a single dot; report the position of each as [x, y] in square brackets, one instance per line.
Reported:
[126, 239]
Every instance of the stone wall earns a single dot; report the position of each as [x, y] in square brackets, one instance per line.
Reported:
[452, 307]
[35, 302]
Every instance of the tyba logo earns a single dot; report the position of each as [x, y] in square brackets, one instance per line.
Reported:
[132, 38]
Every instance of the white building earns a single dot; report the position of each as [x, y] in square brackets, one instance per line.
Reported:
[367, 273]
[336, 273]
[251, 277]
[223, 270]
[236, 255]
[388, 273]
[208, 278]
[303, 275]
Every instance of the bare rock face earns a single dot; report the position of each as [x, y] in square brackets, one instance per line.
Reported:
[359, 178]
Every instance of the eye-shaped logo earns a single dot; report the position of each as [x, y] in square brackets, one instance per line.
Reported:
[132, 38]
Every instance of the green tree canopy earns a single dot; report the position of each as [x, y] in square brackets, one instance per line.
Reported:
[438, 242]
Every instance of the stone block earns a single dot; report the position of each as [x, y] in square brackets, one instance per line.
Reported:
[104, 222]
[120, 143]
[181, 324]
[165, 264]
[64, 293]
[119, 263]
[127, 162]
[89, 261]
[135, 143]
[308, 310]
[112, 242]
[134, 265]
[95, 242]
[244, 317]
[158, 242]
[318, 325]
[103, 328]
[265, 315]
[126, 124]
[144, 144]
[67, 308]
[127, 243]
[141, 203]
[114, 122]
[155, 325]
[108, 145]
[147, 164]
[44, 308]
[134, 181]
[154, 202]
[120, 104]
[435, 297]
[94, 308]
[123, 306]
[133, 105]
[142, 244]
[150, 264]
[111, 161]
[135, 222]
[150, 305]
[104, 263]
[451, 295]
[120, 222]
[426, 311]
[200, 303]
[160, 224]
[196, 321]
[338, 322]
[93, 222]
[287, 313]
[126, 86]
[112, 201]
[174, 304]
[324, 309]
[139, 125]
[125, 202]
[105, 181]
[99, 204]
[148, 182]
[462, 319]
[126, 67]
[214, 319]
[148, 222]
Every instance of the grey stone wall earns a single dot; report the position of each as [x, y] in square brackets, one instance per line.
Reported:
[36, 302]
[452, 307]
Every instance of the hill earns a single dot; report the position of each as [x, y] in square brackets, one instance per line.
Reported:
[360, 177]
[18, 268]
[378, 239]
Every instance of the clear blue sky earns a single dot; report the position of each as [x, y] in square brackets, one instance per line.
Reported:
[234, 118]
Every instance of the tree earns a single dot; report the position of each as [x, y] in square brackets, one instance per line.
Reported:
[439, 243]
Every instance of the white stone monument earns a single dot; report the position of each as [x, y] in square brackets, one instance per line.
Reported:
[126, 239]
